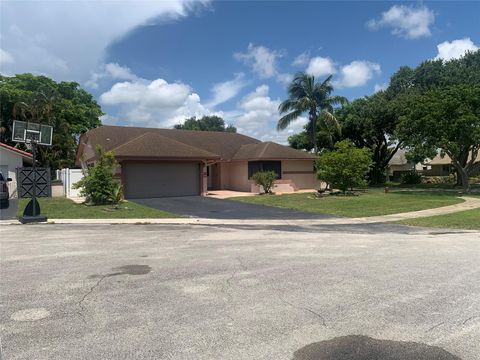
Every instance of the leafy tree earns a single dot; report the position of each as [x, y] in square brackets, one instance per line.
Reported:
[446, 118]
[99, 185]
[306, 95]
[371, 122]
[266, 179]
[206, 123]
[64, 105]
[345, 167]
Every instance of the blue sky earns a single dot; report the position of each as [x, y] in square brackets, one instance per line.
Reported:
[155, 63]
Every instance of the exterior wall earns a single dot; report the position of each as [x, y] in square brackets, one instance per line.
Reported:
[234, 176]
[301, 173]
[11, 161]
[438, 170]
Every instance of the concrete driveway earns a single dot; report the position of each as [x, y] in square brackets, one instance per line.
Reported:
[329, 292]
[204, 207]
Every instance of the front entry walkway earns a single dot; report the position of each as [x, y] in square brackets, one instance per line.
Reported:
[210, 208]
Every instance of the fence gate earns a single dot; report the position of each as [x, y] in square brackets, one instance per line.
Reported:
[25, 182]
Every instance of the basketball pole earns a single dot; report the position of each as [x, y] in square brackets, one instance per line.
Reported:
[33, 215]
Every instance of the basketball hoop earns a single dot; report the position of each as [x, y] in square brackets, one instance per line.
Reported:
[32, 134]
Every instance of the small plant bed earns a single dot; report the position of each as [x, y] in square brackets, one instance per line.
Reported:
[469, 220]
[63, 208]
[371, 202]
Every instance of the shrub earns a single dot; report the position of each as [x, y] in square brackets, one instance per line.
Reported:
[412, 177]
[116, 195]
[99, 184]
[265, 179]
[345, 167]
[446, 180]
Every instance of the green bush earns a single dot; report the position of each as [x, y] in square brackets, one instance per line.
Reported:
[447, 180]
[345, 167]
[265, 179]
[412, 177]
[99, 185]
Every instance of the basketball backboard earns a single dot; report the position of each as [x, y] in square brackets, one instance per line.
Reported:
[28, 132]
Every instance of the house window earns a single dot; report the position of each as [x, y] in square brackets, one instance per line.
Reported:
[256, 166]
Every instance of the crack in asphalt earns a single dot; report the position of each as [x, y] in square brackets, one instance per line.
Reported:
[470, 318]
[320, 316]
[436, 326]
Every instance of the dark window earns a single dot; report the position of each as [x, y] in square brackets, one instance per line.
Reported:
[256, 166]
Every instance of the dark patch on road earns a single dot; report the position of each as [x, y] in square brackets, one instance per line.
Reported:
[132, 270]
[125, 270]
[356, 347]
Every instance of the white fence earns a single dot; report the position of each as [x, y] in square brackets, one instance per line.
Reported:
[70, 177]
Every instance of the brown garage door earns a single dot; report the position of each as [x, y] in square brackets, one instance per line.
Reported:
[148, 180]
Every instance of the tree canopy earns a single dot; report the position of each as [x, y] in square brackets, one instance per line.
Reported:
[305, 95]
[345, 167]
[63, 105]
[206, 123]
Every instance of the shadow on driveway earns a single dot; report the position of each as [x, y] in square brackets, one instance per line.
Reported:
[199, 206]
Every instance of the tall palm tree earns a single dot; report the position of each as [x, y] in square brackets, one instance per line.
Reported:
[305, 95]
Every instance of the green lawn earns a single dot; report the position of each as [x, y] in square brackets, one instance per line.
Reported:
[371, 203]
[63, 208]
[469, 219]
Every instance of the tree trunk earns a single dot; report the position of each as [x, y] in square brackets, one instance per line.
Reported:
[463, 176]
[313, 119]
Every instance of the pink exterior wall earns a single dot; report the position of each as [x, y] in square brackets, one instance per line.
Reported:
[234, 175]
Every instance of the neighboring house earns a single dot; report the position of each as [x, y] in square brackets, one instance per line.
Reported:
[10, 159]
[442, 166]
[169, 162]
[399, 165]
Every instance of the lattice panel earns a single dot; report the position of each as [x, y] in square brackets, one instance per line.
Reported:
[25, 178]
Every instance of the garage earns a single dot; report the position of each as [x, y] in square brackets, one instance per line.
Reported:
[160, 179]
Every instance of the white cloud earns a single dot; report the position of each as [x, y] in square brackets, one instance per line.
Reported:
[110, 71]
[263, 62]
[257, 116]
[411, 22]
[302, 59]
[155, 103]
[319, 66]
[6, 58]
[285, 78]
[357, 73]
[227, 90]
[380, 87]
[448, 50]
[73, 44]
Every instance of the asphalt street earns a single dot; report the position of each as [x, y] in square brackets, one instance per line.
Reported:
[353, 292]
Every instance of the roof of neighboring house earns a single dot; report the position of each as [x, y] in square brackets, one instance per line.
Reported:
[399, 158]
[24, 154]
[136, 142]
[270, 150]
[445, 160]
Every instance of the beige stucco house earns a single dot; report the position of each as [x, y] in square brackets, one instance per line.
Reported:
[442, 166]
[170, 162]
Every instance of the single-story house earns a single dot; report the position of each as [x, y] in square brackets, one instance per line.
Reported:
[170, 162]
[399, 165]
[442, 166]
[10, 159]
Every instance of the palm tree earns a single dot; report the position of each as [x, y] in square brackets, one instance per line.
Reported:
[305, 95]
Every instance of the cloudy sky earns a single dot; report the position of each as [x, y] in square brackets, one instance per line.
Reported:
[154, 63]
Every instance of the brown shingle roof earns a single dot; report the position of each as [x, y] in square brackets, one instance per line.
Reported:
[445, 160]
[169, 143]
[151, 145]
[221, 143]
[270, 151]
